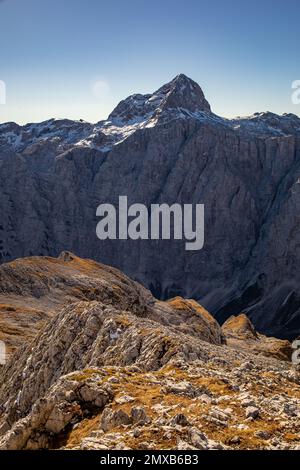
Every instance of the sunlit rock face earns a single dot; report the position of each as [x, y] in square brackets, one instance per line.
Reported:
[167, 147]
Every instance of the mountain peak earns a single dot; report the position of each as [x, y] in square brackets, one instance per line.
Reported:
[181, 92]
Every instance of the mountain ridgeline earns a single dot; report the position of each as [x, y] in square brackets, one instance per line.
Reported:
[167, 147]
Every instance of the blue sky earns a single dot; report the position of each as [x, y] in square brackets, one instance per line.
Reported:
[79, 58]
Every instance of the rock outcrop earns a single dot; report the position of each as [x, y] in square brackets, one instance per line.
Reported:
[34, 290]
[167, 147]
[240, 333]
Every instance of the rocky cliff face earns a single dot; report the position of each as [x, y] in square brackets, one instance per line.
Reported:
[163, 148]
[114, 368]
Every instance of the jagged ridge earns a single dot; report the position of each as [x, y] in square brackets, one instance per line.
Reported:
[125, 369]
[167, 147]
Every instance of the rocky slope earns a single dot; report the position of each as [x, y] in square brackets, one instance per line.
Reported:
[33, 290]
[167, 147]
[240, 334]
[115, 368]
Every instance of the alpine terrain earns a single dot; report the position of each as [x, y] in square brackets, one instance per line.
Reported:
[99, 363]
[167, 147]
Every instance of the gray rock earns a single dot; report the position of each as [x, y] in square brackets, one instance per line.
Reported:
[95, 395]
[62, 377]
[137, 432]
[60, 416]
[252, 412]
[124, 399]
[262, 435]
[111, 419]
[179, 419]
[183, 445]
[290, 409]
[198, 439]
[139, 415]
[248, 402]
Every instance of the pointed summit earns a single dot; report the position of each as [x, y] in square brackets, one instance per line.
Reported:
[180, 93]
[183, 92]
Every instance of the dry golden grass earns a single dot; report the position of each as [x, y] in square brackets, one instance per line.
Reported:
[147, 390]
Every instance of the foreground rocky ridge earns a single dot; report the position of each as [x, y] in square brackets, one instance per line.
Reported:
[167, 147]
[33, 290]
[123, 370]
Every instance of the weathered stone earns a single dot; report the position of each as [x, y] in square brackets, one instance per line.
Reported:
[252, 412]
[198, 439]
[139, 415]
[60, 416]
[111, 419]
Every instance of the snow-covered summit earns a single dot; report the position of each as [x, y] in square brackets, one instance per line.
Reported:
[180, 93]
